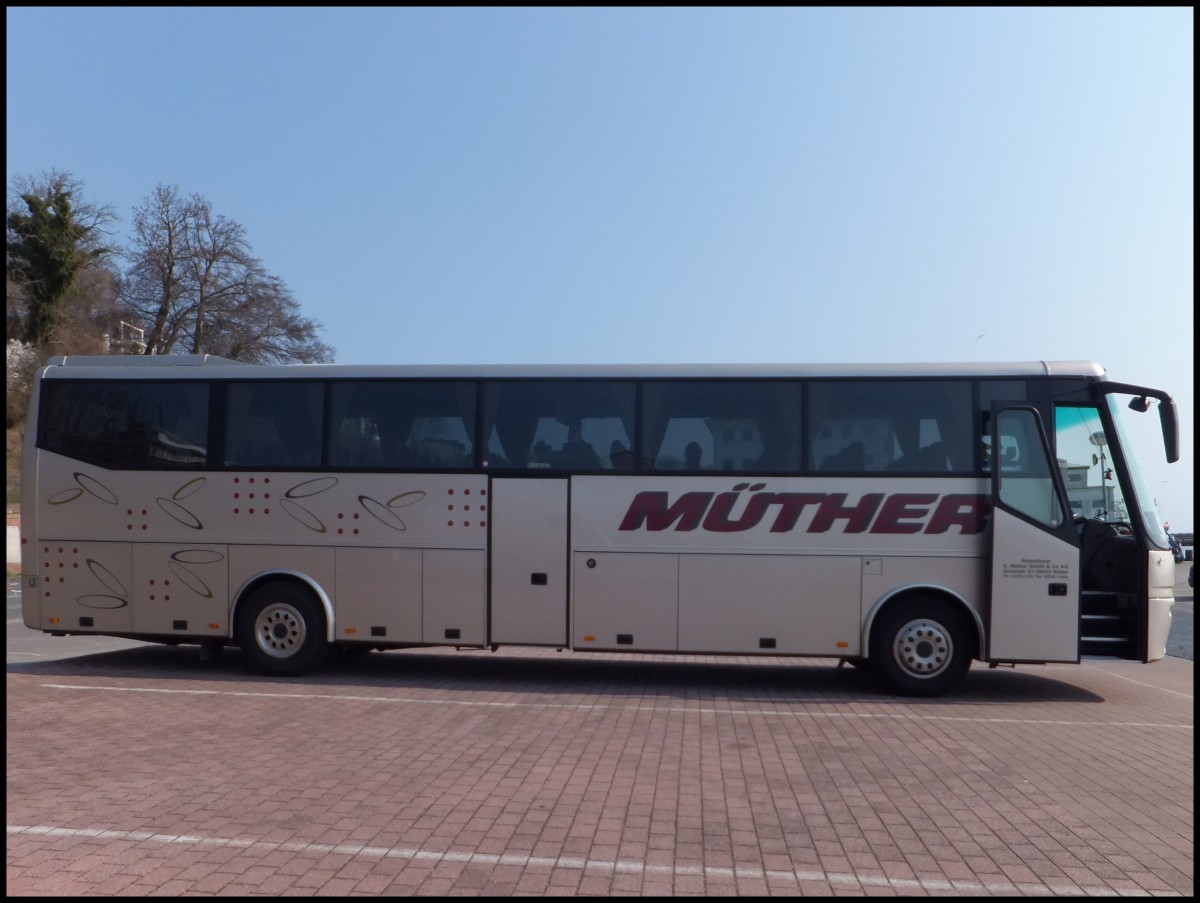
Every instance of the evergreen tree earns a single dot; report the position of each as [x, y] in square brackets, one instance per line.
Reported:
[49, 243]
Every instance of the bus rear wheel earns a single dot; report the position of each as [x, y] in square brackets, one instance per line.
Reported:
[281, 629]
[921, 648]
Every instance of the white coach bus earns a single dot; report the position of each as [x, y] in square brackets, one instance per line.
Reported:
[905, 518]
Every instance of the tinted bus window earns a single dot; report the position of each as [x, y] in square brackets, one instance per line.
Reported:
[564, 425]
[402, 425]
[991, 391]
[879, 426]
[732, 427]
[127, 425]
[270, 425]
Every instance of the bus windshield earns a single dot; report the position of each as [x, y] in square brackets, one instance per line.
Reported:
[1139, 443]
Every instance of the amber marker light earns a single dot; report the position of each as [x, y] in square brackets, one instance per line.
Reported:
[351, 630]
[213, 626]
[589, 639]
[843, 645]
[54, 620]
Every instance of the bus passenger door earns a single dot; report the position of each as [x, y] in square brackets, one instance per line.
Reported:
[1034, 614]
[528, 562]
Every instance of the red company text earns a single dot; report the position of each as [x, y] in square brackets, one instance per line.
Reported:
[875, 512]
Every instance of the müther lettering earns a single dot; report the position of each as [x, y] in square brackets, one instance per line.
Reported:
[875, 512]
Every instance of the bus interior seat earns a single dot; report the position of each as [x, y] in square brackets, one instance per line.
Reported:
[620, 457]
[576, 454]
[932, 457]
[852, 458]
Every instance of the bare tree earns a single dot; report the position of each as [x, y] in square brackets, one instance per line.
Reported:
[155, 282]
[196, 282]
[221, 269]
[265, 326]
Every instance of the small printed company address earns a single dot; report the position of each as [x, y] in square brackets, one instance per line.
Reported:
[1035, 568]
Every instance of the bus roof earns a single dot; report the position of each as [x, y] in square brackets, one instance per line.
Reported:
[183, 366]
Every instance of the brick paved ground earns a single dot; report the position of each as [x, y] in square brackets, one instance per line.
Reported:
[146, 772]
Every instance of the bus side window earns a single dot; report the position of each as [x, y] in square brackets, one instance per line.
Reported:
[572, 425]
[274, 424]
[402, 425]
[851, 459]
[1027, 485]
[741, 427]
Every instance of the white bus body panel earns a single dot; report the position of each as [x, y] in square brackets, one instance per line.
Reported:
[529, 562]
[626, 601]
[180, 588]
[235, 507]
[379, 595]
[1161, 593]
[86, 586]
[386, 550]
[1029, 621]
[795, 605]
[454, 595]
[750, 578]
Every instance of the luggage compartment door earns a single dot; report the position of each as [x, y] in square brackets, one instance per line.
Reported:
[529, 561]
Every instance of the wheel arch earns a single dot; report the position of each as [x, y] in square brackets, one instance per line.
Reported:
[297, 577]
[901, 594]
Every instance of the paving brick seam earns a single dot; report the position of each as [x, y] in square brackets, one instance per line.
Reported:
[654, 708]
[1140, 683]
[617, 866]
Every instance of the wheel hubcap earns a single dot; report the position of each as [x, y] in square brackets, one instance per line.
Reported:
[279, 630]
[923, 648]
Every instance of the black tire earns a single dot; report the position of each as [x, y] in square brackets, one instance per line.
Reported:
[281, 629]
[921, 647]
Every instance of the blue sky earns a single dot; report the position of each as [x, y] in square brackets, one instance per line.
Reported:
[663, 185]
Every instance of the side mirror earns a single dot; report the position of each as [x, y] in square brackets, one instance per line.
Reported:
[1169, 418]
[1141, 404]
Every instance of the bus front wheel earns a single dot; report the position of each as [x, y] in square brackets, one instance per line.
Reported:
[921, 647]
[281, 629]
